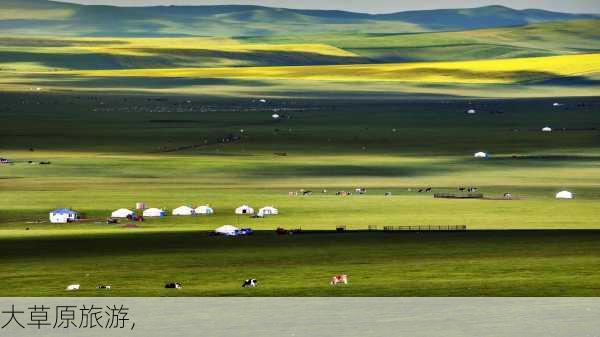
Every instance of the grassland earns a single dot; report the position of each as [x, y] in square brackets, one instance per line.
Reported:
[108, 151]
[124, 120]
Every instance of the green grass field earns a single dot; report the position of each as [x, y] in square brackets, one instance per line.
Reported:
[110, 151]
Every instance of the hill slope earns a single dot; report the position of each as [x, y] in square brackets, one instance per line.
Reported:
[540, 39]
[56, 18]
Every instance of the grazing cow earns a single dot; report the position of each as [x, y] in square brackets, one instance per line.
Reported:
[104, 286]
[388, 194]
[73, 287]
[250, 283]
[420, 190]
[428, 189]
[174, 285]
[307, 193]
[462, 189]
[339, 279]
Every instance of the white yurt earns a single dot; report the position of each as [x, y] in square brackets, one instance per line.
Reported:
[63, 215]
[227, 230]
[546, 129]
[204, 210]
[564, 195]
[244, 209]
[471, 111]
[268, 210]
[121, 213]
[275, 116]
[480, 155]
[154, 212]
[183, 210]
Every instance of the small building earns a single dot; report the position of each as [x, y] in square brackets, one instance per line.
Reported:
[268, 210]
[564, 195]
[183, 210]
[244, 209]
[122, 213]
[63, 215]
[154, 212]
[204, 210]
[480, 155]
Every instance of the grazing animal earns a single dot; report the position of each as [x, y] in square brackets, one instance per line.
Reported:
[250, 283]
[174, 285]
[307, 193]
[388, 194]
[462, 189]
[339, 279]
[428, 189]
[73, 287]
[420, 190]
[104, 286]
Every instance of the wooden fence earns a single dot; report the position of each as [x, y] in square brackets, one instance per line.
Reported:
[426, 228]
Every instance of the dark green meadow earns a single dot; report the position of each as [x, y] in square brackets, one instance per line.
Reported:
[477, 263]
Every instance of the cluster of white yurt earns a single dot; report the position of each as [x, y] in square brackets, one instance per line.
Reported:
[480, 155]
[187, 210]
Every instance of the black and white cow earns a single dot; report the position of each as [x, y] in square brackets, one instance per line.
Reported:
[174, 285]
[250, 283]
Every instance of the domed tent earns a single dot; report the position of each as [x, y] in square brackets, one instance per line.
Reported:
[204, 210]
[480, 155]
[154, 212]
[564, 195]
[268, 210]
[227, 230]
[471, 111]
[121, 213]
[183, 210]
[546, 129]
[244, 209]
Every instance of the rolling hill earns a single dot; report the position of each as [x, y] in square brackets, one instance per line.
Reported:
[31, 17]
[543, 39]
[539, 39]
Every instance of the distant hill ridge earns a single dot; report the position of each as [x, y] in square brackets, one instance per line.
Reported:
[59, 18]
